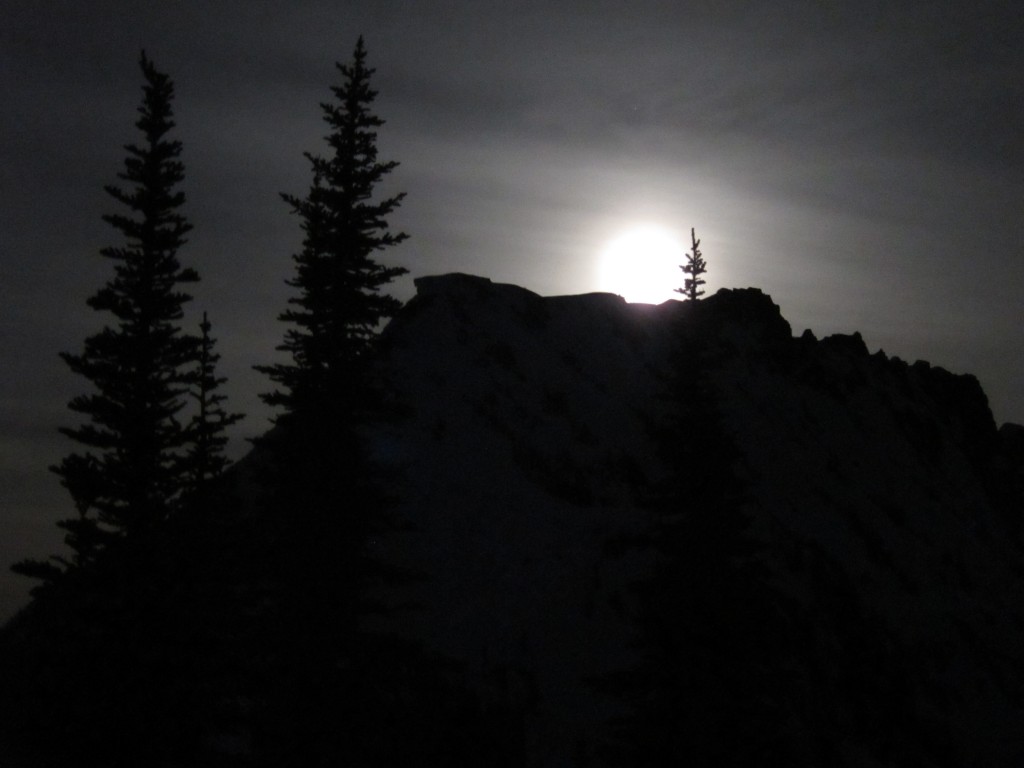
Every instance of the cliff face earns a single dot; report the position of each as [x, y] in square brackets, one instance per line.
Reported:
[881, 498]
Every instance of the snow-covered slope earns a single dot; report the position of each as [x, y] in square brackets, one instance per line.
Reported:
[522, 457]
[526, 459]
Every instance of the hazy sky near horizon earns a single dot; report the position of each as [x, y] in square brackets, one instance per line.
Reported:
[863, 164]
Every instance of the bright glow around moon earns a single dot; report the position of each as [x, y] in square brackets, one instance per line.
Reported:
[642, 265]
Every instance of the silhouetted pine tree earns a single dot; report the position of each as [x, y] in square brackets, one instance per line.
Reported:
[322, 501]
[205, 458]
[131, 471]
[339, 308]
[111, 665]
[319, 485]
[695, 266]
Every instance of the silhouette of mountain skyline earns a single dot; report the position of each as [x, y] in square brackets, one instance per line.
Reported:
[846, 556]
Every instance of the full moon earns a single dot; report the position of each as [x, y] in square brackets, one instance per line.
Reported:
[642, 265]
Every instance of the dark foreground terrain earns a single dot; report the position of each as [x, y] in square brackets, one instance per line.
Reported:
[586, 533]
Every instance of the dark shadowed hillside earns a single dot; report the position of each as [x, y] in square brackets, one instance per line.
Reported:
[880, 501]
[625, 535]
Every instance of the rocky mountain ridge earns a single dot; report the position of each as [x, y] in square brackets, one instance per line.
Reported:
[529, 454]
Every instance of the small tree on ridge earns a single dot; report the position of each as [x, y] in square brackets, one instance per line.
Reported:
[695, 266]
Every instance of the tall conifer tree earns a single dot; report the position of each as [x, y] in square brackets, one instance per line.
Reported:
[130, 472]
[323, 501]
[339, 308]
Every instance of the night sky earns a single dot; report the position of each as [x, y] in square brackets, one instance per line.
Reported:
[862, 163]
